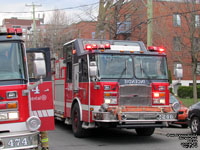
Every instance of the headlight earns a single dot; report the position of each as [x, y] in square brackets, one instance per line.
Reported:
[176, 106]
[110, 97]
[11, 95]
[13, 115]
[110, 101]
[33, 123]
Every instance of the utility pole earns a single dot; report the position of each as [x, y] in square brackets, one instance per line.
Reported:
[149, 23]
[34, 23]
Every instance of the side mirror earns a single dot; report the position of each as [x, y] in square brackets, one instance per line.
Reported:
[39, 65]
[179, 71]
[93, 69]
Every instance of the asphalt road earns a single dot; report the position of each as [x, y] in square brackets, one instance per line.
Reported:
[62, 138]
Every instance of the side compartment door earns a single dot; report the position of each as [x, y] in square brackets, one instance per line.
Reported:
[42, 96]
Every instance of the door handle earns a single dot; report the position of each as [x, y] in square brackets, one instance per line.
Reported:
[47, 90]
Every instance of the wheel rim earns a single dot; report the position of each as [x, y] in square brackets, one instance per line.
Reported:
[75, 119]
[194, 125]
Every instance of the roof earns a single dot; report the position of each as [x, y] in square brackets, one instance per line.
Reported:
[22, 22]
[117, 46]
[3, 38]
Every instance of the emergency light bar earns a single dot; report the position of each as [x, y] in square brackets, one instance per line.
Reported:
[120, 48]
[95, 46]
[10, 31]
[156, 49]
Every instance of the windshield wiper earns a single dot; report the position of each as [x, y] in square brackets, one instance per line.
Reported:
[14, 79]
[148, 77]
[119, 78]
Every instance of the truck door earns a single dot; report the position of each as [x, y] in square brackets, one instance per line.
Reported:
[42, 96]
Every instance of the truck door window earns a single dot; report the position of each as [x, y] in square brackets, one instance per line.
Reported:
[30, 59]
[83, 69]
[67, 53]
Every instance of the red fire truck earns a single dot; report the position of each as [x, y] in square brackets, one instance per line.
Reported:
[26, 103]
[111, 83]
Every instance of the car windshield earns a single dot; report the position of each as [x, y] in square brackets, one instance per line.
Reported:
[153, 67]
[172, 99]
[11, 62]
[115, 66]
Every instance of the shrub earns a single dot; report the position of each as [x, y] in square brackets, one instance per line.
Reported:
[187, 91]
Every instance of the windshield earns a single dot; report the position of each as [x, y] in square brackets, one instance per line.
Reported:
[11, 63]
[153, 67]
[115, 66]
[172, 99]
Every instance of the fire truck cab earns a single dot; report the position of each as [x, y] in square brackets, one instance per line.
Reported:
[21, 116]
[112, 83]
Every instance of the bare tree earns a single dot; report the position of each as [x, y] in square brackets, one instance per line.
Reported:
[55, 26]
[104, 6]
[122, 19]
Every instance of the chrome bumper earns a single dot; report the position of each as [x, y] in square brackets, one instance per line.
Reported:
[19, 140]
[134, 117]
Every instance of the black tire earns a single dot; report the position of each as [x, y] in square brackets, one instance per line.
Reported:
[184, 126]
[77, 129]
[145, 131]
[195, 125]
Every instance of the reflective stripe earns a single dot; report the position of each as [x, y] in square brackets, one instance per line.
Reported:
[85, 107]
[13, 127]
[43, 113]
[45, 140]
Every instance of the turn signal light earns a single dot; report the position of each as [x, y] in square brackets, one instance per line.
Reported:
[107, 94]
[12, 105]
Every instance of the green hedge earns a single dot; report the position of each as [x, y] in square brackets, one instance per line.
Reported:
[187, 91]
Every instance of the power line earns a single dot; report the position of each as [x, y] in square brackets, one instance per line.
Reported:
[67, 8]
[34, 24]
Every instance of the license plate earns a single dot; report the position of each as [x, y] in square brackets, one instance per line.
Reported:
[166, 116]
[16, 142]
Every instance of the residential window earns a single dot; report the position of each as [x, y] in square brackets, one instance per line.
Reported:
[15, 26]
[177, 20]
[177, 43]
[197, 23]
[198, 68]
[127, 19]
[93, 35]
[196, 44]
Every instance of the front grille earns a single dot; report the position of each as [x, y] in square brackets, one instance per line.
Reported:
[135, 95]
[141, 116]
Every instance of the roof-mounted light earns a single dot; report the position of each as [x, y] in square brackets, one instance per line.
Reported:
[94, 46]
[101, 46]
[11, 31]
[88, 47]
[107, 46]
[18, 31]
[156, 49]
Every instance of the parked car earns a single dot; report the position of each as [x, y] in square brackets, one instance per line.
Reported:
[194, 118]
[182, 113]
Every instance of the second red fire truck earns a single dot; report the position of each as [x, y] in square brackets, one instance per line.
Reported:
[110, 83]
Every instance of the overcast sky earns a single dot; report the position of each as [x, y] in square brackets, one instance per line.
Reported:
[20, 6]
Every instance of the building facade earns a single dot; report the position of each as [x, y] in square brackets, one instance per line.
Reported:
[175, 26]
